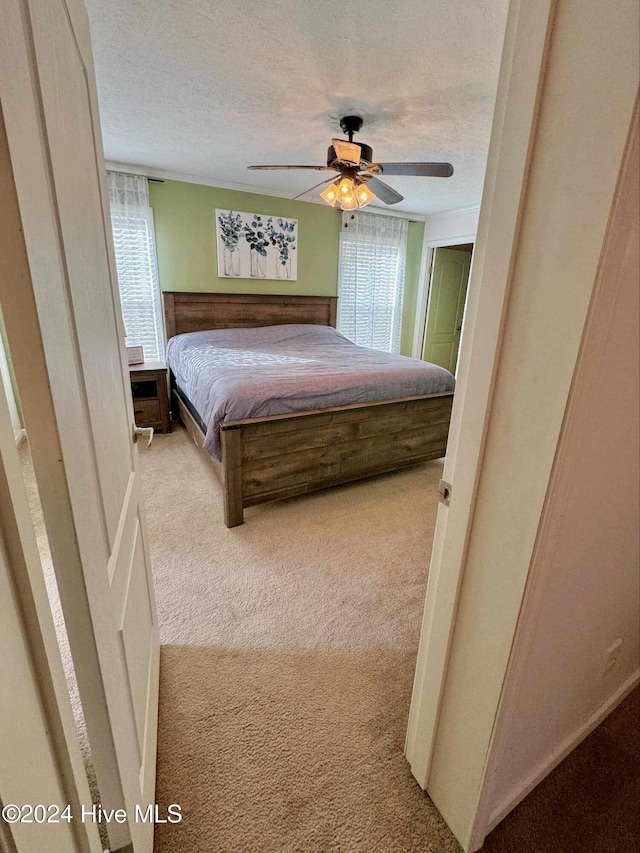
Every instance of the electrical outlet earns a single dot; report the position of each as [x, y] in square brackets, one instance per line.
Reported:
[613, 653]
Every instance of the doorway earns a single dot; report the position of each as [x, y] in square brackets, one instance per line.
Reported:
[493, 263]
[445, 308]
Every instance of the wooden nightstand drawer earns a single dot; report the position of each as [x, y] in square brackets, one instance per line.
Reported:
[146, 411]
[144, 389]
[150, 393]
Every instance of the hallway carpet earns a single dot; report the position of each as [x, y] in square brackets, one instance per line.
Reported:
[288, 652]
[590, 803]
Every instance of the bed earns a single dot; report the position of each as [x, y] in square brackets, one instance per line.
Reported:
[281, 404]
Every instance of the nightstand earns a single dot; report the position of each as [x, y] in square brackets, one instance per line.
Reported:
[150, 392]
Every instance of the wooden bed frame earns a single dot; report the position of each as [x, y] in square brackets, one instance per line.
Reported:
[279, 456]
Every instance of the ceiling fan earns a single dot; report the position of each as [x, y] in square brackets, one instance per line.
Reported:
[358, 184]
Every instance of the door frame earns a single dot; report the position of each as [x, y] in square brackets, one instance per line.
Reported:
[423, 302]
[521, 79]
[517, 103]
[433, 247]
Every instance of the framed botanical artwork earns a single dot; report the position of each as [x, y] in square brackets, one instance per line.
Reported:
[254, 245]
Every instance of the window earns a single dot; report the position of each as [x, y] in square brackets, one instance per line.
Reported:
[134, 243]
[371, 279]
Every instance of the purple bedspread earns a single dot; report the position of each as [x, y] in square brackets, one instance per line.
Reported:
[232, 374]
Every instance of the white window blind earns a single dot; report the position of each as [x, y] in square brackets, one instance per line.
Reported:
[134, 243]
[371, 279]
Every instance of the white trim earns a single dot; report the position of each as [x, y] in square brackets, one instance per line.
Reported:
[560, 753]
[20, 436]
[514, 122]
[162, 174]
[387, 211]
[424, 286]
[456, 211]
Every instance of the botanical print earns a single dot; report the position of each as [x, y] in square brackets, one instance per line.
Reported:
[252, 245]
[229, 231]
[285, 242]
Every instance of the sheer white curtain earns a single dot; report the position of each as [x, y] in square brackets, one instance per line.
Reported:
[134, 242]
[371, 279]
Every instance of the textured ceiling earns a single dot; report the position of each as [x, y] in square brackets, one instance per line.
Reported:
[206, 88]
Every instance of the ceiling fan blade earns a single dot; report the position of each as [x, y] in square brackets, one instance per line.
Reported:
[383, 191]
[425, 170]
[316, 168]
[321, 184]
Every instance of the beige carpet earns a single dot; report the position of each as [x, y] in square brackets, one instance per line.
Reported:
[288, 656]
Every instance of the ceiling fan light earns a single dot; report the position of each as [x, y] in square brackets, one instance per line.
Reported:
[330, 195]
[364, 195]
[345, 187]
[349, 202]
[347, 193]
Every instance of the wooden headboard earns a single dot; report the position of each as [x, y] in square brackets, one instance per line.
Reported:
[195, 312]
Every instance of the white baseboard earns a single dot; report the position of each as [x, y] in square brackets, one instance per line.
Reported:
[551, 762]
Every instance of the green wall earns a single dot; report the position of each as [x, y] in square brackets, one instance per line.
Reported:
[411, 282]
[184, 216]
[185, 223]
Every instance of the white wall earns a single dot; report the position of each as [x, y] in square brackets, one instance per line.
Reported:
[585, 577]
[451, 225]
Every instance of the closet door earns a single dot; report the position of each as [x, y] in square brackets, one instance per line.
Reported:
[66, 335]
[447, 298]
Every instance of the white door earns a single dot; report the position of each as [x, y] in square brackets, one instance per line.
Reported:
[36, 718]
[66, 337]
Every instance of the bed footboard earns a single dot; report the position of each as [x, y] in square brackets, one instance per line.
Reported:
[265, 459]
